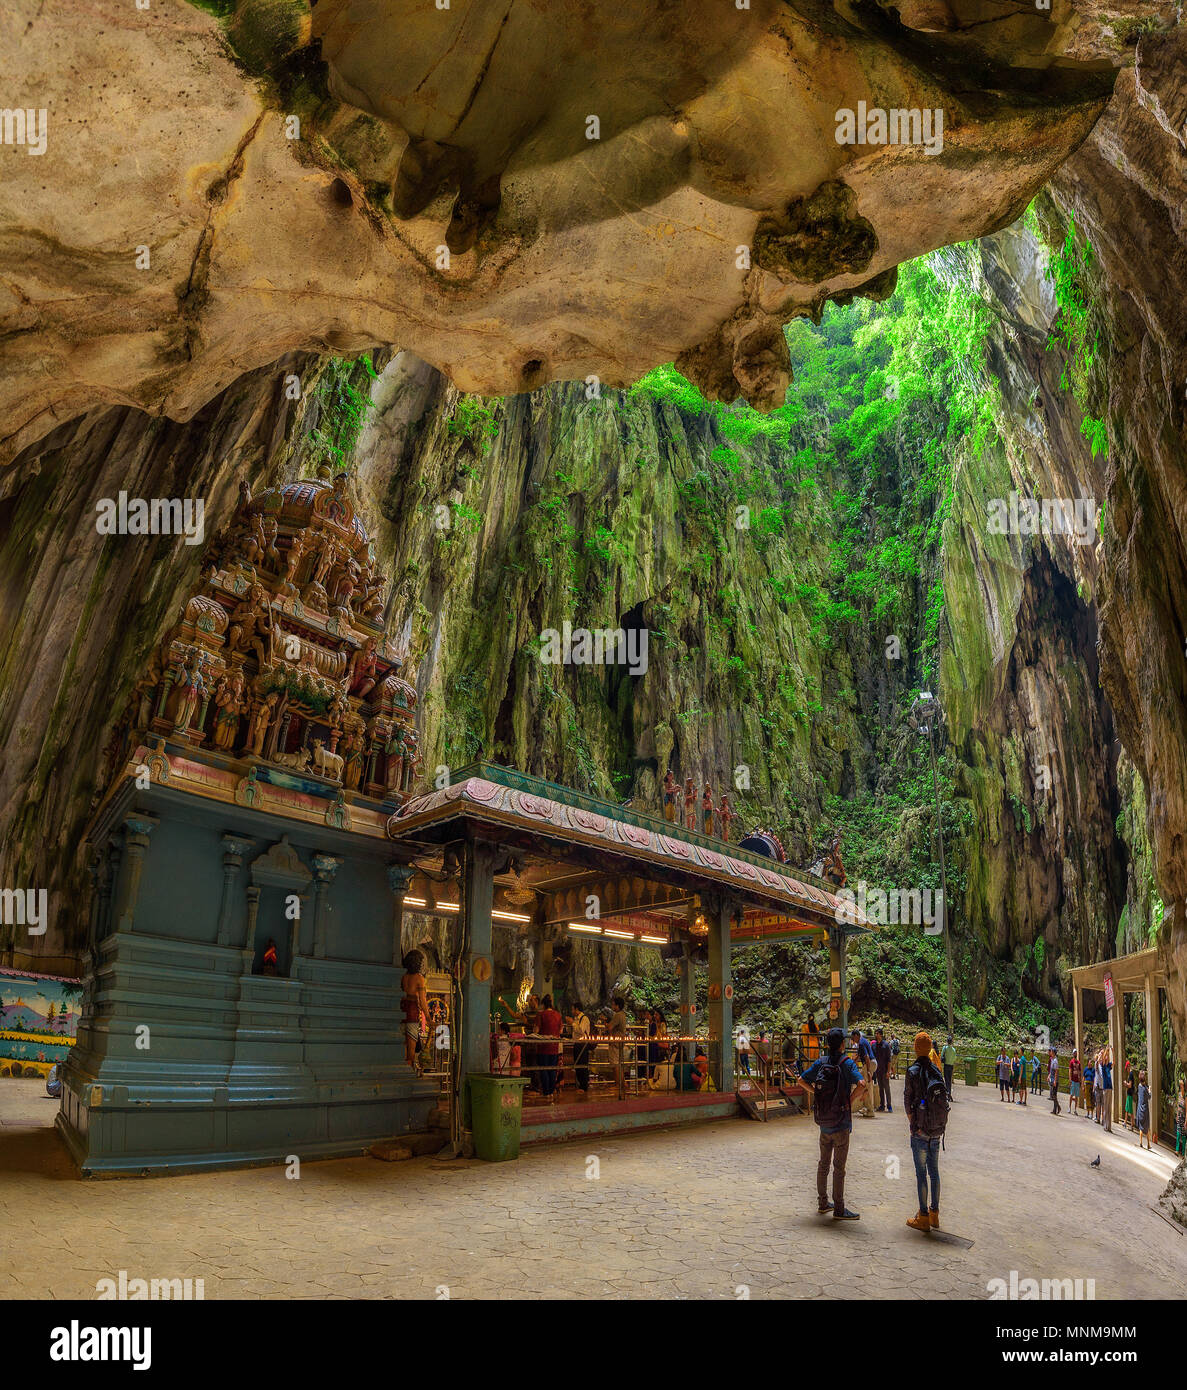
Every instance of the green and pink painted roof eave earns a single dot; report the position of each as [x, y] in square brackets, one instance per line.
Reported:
[495, 796]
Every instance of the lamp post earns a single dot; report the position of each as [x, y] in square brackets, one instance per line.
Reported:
[924, 713]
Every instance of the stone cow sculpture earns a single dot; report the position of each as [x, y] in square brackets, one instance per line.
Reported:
[298, 760]
[327, 763]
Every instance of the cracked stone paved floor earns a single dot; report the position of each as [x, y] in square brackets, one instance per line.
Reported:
[703, 1213]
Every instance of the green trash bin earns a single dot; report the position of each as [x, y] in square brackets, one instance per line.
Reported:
[496, 1109]
[970, 1071]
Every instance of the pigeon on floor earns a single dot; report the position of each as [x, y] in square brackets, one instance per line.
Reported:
[1095, 1162]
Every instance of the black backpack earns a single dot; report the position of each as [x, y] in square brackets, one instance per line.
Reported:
[932, 1104]
[830, 1096]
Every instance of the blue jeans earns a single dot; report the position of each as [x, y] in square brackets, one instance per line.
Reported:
[926, 1153]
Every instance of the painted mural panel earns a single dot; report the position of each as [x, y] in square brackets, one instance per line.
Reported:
[38, 1021]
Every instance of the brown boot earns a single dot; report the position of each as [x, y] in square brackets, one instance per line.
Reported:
[933, 1218]
[919, 1221]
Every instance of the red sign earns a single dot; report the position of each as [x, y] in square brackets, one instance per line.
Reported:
[1109, 990]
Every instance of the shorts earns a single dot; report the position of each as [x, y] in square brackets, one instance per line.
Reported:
[1074, 1089]
[1129, 1105]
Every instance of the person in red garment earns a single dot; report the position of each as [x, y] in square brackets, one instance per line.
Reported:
[549, 1025]
[415, 1004]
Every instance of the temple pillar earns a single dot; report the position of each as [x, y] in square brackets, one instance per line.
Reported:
[253, 912]
[544, 965]
[721, 993]
[688, 998]
[477, 966]
[399, 876]
[1153, 1054]
[1078, 1021]
[97, 867]
[325, 866]
[235, 847]
[838, 1003]
[1118, 1011]
[137, 828]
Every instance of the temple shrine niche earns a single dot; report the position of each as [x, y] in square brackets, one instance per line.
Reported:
[279, 657]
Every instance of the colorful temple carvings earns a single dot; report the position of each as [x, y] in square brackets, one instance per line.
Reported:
[279, 657]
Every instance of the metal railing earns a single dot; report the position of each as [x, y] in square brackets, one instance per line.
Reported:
[634, 1063]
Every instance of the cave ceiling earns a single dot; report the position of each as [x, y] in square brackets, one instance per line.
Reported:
[517, 192]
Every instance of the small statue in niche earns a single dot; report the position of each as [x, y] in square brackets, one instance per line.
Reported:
[228, 704]
[725, 817]
[690, 805]
[251, 626]
[834, 869]
[412, 759]
[370, 602]
[189, 687]
[292, 562]
[271, 965]
[144, 692]
[671, 792]
[267, 552]
[260, 718]
[396, 750]
[344, 581]
[707, 810]
[363, 670]
[352, 760]
[336, 710]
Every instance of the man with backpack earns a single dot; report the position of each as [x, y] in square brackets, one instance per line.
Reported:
[834, 1081]
[925, 1098]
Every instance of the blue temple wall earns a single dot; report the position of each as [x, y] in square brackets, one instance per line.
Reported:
[185, 1059]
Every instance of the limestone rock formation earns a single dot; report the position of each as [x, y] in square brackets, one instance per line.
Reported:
[1173, 1198]
[517, 193]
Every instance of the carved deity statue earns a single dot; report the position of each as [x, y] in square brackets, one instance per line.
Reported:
[189, 686]
[725, 817]
[352, 760]
[834, 869]
[344, 581]
[671, 792]
[397, 750]
[370, 601]
[251, 626]
[292, 561]
[229, 703]
[690, 805]
[707, 810]
[260, 718]
[362, 670]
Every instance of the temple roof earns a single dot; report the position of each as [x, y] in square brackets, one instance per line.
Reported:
[504, 797]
